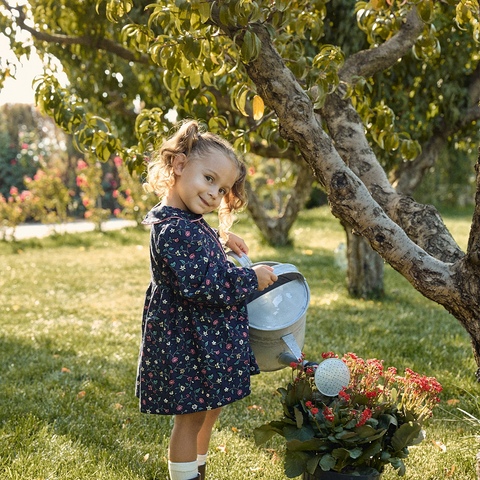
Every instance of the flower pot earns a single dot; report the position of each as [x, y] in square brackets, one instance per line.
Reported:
[331, 475]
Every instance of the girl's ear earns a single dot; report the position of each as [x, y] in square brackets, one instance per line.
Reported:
[179, 163]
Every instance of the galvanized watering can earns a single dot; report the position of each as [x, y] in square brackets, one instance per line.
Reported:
[277, 316]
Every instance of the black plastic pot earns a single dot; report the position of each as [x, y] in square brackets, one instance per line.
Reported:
[330, 475]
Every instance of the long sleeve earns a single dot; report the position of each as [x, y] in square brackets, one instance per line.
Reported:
[201, 276]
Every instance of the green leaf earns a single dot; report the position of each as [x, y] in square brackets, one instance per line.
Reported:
[312, 464]
[298, 417]
[264, 433]
[364, 431]
[295, 463]
[327, 462]
[425, 11]
[240, 101]
[204, 11]
[302, 434]
[316, 444]
[195, 79]
[385, 420]
[405, 435]
[341, 454]
[247, 49]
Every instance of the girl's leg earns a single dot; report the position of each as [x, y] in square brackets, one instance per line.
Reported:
[182, 454]
[203, 439]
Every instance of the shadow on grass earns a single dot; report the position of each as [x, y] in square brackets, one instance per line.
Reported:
[53, 396]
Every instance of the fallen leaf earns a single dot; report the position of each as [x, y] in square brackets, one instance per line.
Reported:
[19, 250]
[236, 429]
[118, 406]
[222, 448]
[65, 370]
[256, 469]
[15, 307]
[449, 473]
[56, 356]
[81, 394]
[275, 457]
[308, 252]
[146, 457]
[453, 401]
[256, 407]
[120, 393]
[440, 445]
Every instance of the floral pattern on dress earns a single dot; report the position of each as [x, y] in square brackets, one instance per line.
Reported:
[195, 353]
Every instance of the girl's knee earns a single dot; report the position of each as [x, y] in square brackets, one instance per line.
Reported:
[191, 421]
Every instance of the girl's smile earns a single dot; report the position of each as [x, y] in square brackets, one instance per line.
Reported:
[201, 184]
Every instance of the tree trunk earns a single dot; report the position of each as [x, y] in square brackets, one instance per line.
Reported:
[365, 267]
[367, 201]
[275, 229]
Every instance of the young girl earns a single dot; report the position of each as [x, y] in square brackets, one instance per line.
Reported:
[194, 355]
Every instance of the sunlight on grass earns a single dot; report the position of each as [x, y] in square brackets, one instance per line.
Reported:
[70, 310]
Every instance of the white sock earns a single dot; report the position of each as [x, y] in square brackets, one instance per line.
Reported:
[201, 459]
[183, 471]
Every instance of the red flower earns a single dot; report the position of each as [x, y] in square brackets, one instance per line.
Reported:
[118, 161]
[366, 415]
[315, 411]
[81, 165]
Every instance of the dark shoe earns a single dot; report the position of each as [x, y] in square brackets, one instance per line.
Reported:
[201, 471]
[196, 478]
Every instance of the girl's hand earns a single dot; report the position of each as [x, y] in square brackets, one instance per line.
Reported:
[265, 276]
[236, 244]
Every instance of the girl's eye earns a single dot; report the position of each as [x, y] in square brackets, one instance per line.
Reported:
[222, 191]
[208, 178]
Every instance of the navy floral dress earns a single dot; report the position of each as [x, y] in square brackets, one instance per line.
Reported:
[194, 353]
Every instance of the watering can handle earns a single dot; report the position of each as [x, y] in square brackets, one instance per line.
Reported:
[244, 261]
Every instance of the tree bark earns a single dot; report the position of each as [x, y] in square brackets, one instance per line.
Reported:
[365, 267]
[275, 230]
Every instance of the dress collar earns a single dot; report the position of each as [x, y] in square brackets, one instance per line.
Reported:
[160, 212]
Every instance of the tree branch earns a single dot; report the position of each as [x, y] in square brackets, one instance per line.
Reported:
[87, 40]
[349, 199]
[368, 62]
[421, 223]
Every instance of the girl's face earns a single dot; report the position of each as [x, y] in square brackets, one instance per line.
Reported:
[201, 183]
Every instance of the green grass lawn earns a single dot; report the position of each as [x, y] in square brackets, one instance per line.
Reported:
[70, 312]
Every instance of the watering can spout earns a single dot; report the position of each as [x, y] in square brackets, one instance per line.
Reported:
[295, 354]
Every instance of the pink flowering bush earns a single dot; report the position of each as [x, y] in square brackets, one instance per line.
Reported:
[89, 181]
[369, 425]
[15, 209]
[50, 194]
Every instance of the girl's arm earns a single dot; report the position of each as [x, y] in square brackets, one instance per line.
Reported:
[198, 276]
